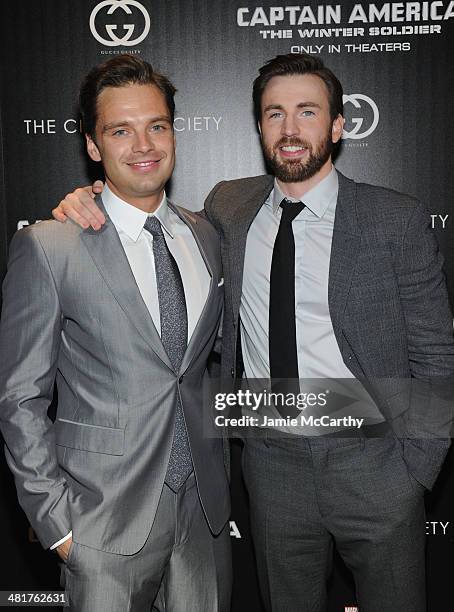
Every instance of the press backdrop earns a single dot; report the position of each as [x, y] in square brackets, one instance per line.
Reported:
[395, 62]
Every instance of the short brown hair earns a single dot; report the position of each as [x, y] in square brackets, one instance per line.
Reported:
[287, 65]
[119, 71]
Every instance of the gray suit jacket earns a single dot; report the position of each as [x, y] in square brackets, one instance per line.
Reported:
[387, 296]
[72, 312]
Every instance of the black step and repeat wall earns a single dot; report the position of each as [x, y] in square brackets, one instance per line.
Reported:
[395, 62]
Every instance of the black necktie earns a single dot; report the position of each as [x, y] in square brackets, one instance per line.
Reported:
[282, 324]
[174, 337]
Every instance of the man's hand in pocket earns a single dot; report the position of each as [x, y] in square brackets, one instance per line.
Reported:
[63, 549]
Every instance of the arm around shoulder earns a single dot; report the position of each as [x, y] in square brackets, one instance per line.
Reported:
[209, 202]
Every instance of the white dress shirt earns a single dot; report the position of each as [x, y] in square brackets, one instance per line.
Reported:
[318, 352]
[319, 355]
[138, 246]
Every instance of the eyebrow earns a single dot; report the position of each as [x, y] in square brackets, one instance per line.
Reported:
[117, 124]
[300, 105]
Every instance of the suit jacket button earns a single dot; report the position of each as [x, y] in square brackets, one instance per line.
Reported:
[350, 357]
[232, 372]
[180, 380]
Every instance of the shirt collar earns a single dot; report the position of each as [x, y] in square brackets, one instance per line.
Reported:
[317, 199]
[130, 219]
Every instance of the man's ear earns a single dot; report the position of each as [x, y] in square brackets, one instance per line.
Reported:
[92, 149]
[337, 128]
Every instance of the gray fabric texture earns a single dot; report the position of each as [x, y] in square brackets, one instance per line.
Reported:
[73, 313]
[181, 559]
[387, 295]
[174, 337]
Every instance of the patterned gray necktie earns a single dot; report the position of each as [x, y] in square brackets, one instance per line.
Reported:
[174, 335]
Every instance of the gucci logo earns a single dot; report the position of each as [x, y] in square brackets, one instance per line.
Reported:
[358, 130]
[114, 40]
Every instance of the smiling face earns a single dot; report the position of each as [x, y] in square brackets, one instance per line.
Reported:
[297, 130]
[135, 142]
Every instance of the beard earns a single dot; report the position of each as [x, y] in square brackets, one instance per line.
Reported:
[294, 170]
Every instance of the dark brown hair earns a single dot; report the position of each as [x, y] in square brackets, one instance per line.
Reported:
[287, 65]
[119, 71]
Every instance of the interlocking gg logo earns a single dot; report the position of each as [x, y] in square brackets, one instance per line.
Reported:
[114, 40]
[359, 130]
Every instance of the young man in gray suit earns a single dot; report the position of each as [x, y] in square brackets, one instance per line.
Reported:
[328, 278]
[124, 484]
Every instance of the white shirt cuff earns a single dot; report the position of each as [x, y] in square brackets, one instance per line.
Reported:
[70, 535]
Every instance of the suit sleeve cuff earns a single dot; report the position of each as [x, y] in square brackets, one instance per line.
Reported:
[70, 535]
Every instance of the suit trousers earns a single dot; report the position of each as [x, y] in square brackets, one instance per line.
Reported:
[181, 559]
[308, 493]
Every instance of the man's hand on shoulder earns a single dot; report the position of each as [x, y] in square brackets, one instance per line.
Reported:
[63, 549]
[80, 207]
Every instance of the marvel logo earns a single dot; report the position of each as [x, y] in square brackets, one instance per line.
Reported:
[351, 609]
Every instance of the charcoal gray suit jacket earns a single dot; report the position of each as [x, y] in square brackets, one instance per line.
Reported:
[387, 298]
[72, 312]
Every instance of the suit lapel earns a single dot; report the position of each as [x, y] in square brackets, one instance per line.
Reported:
[237, 244]
[208, 317]
[109, 257]
[344, 250]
